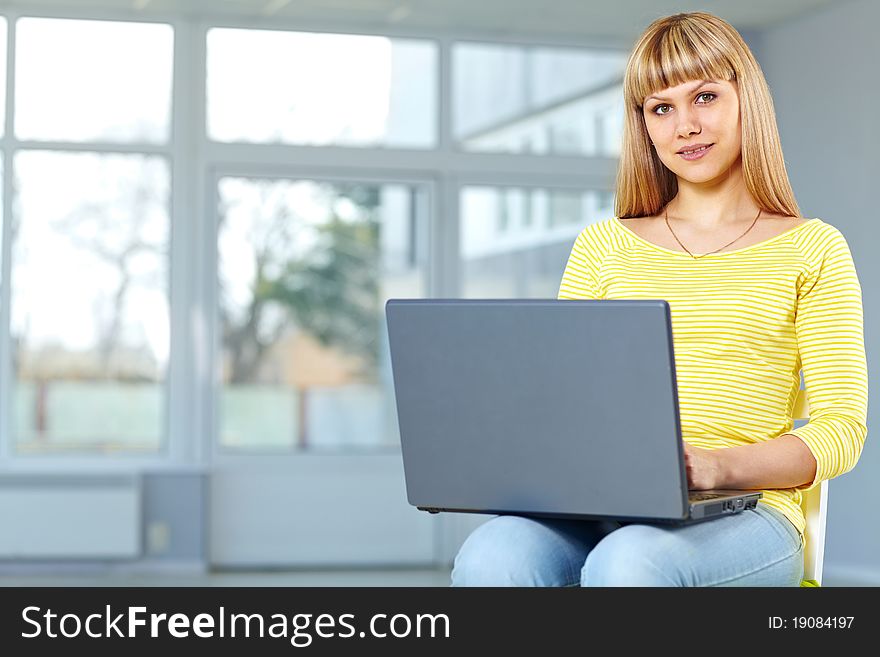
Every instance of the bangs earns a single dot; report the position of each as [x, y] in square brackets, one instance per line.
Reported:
[679, 54]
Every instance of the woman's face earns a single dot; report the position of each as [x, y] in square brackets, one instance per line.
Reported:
[693, 113]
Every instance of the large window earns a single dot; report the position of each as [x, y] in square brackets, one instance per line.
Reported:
[117, 138]
[89, 300]
[89, 237]
[305, 269]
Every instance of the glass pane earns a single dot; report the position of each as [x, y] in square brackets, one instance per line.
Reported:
[303, 88]
[305, 269]
[90, 325]
[537, 100]
[79, 80]
[2, 267]
[3, 38]
[515, 242]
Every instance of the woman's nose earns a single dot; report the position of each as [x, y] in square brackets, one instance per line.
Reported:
[687, 124]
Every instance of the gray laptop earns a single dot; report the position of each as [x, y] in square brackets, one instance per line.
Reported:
[546, 408]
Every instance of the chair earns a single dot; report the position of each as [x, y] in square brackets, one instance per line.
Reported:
[814, 503]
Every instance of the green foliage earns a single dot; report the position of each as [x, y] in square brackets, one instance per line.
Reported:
[333, 293]
[323, 277]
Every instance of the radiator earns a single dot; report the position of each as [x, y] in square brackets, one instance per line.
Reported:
[70, 517]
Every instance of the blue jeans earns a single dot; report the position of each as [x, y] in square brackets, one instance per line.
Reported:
[758, 547]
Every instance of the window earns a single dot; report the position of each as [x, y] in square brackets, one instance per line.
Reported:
[537, 100]
[89, 237]
[82, 81]
[526, 260]
[305, 269]
[320, 89]
[98, 198]
[89, 308]
[2, 75]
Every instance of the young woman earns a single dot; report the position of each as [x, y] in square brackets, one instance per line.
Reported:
[706, 219]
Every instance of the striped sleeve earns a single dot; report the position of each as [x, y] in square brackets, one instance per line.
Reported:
[580, 280]
[830, 337]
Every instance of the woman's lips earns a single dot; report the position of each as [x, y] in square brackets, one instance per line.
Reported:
[697, 154]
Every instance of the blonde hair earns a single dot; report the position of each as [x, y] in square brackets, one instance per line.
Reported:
[682, 48]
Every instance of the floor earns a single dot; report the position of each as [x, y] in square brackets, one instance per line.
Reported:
[343, 577]
[395, 577]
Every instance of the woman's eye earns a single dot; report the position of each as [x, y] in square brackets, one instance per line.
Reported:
[705, 93]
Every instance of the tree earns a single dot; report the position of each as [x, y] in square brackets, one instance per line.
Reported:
[123, 230]
[329, 289]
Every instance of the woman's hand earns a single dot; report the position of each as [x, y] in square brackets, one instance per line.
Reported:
[703, 468]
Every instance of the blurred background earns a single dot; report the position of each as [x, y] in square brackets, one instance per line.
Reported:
[205, 205]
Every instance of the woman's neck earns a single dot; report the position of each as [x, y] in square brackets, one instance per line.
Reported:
[714, 204]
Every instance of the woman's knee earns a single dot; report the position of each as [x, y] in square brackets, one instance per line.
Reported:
[510, 551]
[631, 556]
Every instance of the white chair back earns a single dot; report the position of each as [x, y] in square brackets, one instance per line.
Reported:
[814, 503]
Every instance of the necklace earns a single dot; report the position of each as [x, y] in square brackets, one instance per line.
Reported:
[666, 217]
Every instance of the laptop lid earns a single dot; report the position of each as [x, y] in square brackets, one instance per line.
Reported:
[538, 406]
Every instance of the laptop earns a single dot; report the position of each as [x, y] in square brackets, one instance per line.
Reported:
[552, 408]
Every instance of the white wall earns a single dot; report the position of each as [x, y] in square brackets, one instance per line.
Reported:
[823, 76]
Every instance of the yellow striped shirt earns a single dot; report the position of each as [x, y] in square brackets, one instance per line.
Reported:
[744, 323]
